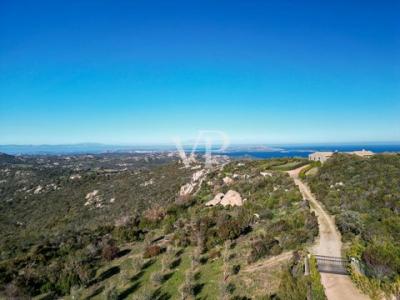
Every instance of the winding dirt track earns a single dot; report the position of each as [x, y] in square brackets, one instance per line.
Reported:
[337, 287]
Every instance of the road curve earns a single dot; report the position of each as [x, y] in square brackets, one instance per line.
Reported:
[337, 287]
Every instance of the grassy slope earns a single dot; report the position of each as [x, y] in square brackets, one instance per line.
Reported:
[256, 284]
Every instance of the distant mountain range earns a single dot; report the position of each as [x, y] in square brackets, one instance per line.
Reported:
[76, 148]
[6, 158]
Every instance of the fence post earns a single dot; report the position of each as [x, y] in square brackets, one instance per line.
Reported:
[307, 275]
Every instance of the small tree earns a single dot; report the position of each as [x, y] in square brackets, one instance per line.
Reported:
[187, 288]
[225, 284]
[157, 278]
[144, 295]
[109, 252]
[137, 265]
[166, 262]
[111, 293]
[152, 250]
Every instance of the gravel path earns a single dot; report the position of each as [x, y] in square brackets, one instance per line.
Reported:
[337, 287]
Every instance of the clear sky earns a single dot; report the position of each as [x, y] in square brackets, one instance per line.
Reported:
[146, 71]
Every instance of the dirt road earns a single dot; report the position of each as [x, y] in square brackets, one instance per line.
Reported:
[337, 287]
[269, 262]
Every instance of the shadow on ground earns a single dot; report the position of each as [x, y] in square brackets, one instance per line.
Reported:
[129, 291]
[96, 292]
[160, 296]
[148, 264]
[137, 276]
[123, 253]
[105, 275]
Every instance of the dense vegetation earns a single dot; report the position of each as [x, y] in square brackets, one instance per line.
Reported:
[294, 286]
[50, 240]
[364, 195]
[49, 199]
[150, 242]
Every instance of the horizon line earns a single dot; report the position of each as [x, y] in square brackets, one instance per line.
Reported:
[261, 143]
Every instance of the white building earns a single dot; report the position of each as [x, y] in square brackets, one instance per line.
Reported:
[320, 156]
[324, 156]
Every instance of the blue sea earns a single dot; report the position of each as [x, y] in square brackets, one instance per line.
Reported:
[234, 151]
[305, 150]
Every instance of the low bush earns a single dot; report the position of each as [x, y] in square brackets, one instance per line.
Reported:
[109, 251]
[349, 222]
[213, 254]
[261, 248]
[152, 250]
[235, 269]
[363, 193]
[158, 278]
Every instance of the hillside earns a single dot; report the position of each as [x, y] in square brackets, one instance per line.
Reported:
[364, 194]
[7, 159]
[52, 195]
[157, 238]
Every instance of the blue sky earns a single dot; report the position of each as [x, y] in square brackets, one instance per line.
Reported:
[147, 71]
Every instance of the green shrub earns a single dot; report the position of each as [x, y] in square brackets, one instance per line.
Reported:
[261, 248]
[349, 222]
[127, 234]
[152, 250]
[382, 259]
[363, 193]
[109, 251]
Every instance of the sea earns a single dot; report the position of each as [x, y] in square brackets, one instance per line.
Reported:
[234, 151]
[305, 150]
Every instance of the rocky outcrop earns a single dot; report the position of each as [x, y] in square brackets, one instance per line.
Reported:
[227, 180]
[197, 175]
[38, 189]
[196, 179]
[187, 189]
[266, 174]
[217, 199]
[93, 198]
[231, 198]
[148, 182]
